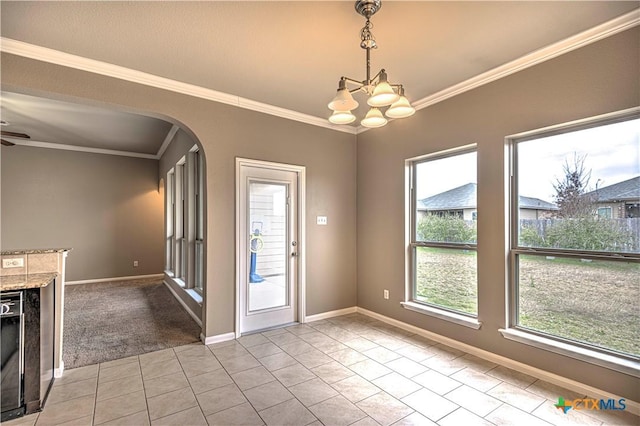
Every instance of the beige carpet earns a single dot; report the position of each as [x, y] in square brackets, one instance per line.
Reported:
[107, 321]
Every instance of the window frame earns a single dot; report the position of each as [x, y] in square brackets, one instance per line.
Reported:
[605, 209]
[513, 331]
[412, 244]
[185, 224]
[170, 223]
[197, 283]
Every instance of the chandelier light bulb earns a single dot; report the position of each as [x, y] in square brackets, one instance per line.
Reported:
[343, 101]
[373, 119]
[382, 95]
[400, 109]
[342, 117]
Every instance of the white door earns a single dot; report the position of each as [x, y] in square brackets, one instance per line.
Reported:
[268, 247]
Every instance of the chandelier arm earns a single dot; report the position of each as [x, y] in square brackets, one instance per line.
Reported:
[377, 76]
[352, 80]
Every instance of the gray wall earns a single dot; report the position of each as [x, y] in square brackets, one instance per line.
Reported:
[226, 132]
[596, 79]
[106, 208]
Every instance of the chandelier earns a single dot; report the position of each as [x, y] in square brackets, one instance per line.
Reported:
[381, 93]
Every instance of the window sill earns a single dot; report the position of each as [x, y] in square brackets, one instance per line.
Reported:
[443, 315]
[194, 295]
[583, 354]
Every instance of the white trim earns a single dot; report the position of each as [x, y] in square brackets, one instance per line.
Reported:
[65, 147]
[331, 314]
[301, 171]
[218, 338]
[551, 51]
[167, 140]
[544, 131]
[104, 280]
[629, 367]
[27, 50]
[443, 314]
[632, 406]
[57, 372]
[184, 305]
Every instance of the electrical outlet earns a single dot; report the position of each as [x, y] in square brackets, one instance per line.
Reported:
[385, 294]
[135, 263]
[321, 220]
[15, 262]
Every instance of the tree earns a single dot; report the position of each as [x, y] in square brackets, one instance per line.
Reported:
[570, 190]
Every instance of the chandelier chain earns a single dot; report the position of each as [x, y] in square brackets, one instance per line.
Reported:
[368, 41]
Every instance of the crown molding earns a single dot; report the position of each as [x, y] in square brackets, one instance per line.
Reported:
[38, 144]
[592, 35]
[44, 54]
[569, 44]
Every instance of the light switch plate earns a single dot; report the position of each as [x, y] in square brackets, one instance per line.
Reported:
[321, 220]
[14, 262]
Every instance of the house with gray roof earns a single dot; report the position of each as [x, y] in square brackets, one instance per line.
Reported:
[461, 201]
[618, 201]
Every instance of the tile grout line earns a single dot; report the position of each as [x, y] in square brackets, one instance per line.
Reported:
[95, 399]
[189, 383]
[235, 384]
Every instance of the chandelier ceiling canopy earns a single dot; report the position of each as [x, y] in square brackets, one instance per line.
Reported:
[382, 94]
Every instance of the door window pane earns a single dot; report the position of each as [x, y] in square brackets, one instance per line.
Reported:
[268, 248]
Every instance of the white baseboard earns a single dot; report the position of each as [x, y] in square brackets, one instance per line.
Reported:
[184, 305]
[632, 406]
[210, 340]
[57, 372]
[331, 314]
[104, 280]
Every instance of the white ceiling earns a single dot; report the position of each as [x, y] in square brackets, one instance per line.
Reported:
[292, 54]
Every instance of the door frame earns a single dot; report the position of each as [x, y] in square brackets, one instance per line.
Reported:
[301, 270]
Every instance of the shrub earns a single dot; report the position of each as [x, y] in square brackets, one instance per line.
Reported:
[530, 237]
[588, 234]
[450, 229]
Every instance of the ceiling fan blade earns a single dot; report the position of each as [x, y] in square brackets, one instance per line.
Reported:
[7, 143]
[14, 134]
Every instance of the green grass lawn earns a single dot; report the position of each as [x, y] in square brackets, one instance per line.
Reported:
[448, 278]
[595, 302]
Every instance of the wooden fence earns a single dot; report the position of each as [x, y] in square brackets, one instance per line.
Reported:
[628, 226]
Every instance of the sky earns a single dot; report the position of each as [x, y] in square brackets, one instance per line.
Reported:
[611, 152]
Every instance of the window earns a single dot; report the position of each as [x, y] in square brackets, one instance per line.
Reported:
[185, 223]
[198, 165]
[442, 245]
[170, 209]
[576, 266]
[604, 212]
[180, 221]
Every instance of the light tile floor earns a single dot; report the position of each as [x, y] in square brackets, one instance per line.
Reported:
[349, 370]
